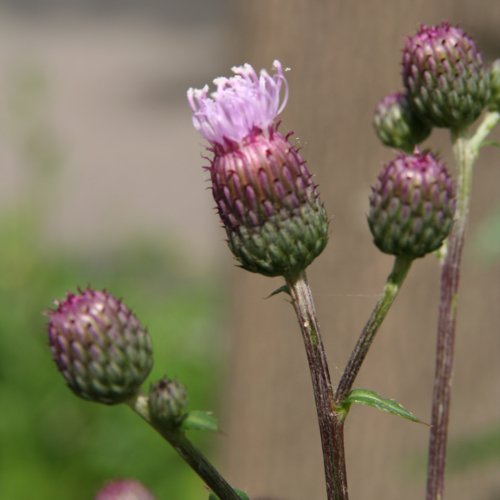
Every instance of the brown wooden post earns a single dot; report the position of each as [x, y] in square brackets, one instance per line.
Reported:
[344, 56]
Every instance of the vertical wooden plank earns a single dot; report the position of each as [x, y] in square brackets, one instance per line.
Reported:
[344, 56]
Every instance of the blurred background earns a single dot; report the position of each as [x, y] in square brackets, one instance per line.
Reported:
[101, 184]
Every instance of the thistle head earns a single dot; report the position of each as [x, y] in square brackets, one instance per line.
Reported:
[396, 125]
[266, 199]
[99, 346]
[124, 489]
[412, 205]
[167, 402]
[444, 76]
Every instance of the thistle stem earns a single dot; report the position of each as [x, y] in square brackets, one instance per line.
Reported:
[193, 457]
[465, 151]
[331, 424]
[394, 282]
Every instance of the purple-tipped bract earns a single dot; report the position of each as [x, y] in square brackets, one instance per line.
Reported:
[267, 201]
[412, 205]
[99, 346]
[444, 76]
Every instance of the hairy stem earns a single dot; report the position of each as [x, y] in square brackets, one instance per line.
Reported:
[193, 457]
[331, 425]
[394, 281]
[465, 151]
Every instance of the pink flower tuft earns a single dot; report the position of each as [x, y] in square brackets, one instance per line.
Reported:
[240, 105]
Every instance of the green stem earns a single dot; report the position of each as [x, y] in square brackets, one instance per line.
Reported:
[465, 151]
[331, 424]
[194, 458]
[391, 289]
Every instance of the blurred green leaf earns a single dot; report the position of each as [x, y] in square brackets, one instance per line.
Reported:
[486, 238]
[200, 421]
[371, 398]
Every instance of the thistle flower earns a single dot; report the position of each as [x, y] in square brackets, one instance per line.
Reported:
[167, 401]
[268, 204]
[412, 205]
[444, 76]
[99, 346]
[396, 124]
[124, 489]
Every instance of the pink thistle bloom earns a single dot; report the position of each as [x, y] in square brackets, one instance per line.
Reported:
[124, 489]
[267, 201]
[241, 105]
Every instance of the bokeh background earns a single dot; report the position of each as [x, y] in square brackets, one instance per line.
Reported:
[101, 184]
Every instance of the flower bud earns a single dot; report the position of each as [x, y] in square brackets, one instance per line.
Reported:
[267, 201]
[494, 102]
[444, 76]
[167, 402]
[412, 206]
[99, 346]
[396, 124]
[124, 489]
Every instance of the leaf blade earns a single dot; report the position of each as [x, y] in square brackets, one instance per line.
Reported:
[371, 398]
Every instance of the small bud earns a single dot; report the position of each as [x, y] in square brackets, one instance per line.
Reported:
[167, 402]
[494, 102]
[444, 76]
[267, 201]
[396, 124]
[412, 206]
[124, 489]
[99, 346]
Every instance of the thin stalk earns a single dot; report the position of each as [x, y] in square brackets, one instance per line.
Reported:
[394, 282]
[193, 457]
[465, 151]
[331, 425]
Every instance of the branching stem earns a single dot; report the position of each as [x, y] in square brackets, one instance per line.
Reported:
[193, 457]
[394, 281]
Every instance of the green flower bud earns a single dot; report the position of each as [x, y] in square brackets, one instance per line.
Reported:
[412, 206]
[99, 346]
[494, 102]
[396, 124]
[444, 76]
[167, 402]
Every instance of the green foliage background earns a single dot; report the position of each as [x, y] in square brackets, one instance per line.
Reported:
[56, 446]
[52, 444]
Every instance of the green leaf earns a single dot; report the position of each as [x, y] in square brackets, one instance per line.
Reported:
[495, 144]
[371, 398]
[240, 493]
[199, 421]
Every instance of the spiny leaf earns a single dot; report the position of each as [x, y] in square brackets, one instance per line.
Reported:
[281, 289]
[199, 421]
[371, 398]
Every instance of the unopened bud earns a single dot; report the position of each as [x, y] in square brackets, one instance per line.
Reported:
[99, 346]
[412, 206]
[444, 76]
